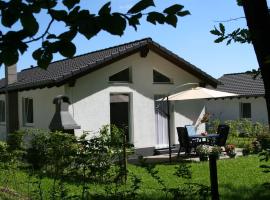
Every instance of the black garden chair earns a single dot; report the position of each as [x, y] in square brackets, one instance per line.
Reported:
[185, 141]
[223, 131]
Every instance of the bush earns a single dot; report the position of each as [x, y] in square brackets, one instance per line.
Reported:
[233, 124]
[264, 140]
[4, 155]
[15, 140]
[213, 125]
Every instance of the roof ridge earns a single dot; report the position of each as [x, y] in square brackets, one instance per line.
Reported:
[147, 39]
[237, 73]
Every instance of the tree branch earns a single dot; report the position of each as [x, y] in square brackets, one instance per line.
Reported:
[229, 20]
[43, 35]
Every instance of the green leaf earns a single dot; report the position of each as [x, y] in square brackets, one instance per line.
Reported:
[154, 17]
[173, 9]
[58, 15]
[47, 4]
[134, 20]
[183, 13]
[140, 6]
[215, 32]
[22, 47]
[220, 39]
[68, 35]
[114, 24]
[37, 54]
[171, 19]
[106, 9]
[67, 49]
[10, 56]
[45, 60]
[9, 17]
[70, 3]
[229, 41]
[89, 27]
[29, 23]
[51, 36]
[222, 28]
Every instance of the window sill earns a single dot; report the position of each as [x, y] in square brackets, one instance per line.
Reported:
[169, 83]
[119, 83]
[28, 124]
[2, 123]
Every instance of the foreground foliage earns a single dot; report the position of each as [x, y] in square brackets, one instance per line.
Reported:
[21, 20]
[239, 178]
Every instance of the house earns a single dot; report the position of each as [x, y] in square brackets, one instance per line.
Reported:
[117, 85]
[250, 103]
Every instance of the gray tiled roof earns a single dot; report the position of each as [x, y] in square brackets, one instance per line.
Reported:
[242, 83]
[60, 72]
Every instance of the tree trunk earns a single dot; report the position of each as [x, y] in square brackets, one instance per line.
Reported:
[258, 21]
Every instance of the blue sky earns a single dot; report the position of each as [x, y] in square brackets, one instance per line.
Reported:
[191, 39]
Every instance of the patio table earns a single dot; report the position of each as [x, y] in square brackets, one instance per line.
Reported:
[205, 139]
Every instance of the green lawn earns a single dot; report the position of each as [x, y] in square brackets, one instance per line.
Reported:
[239, 178]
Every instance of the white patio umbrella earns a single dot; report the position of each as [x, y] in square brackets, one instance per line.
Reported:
[199, 93]
[190, 94]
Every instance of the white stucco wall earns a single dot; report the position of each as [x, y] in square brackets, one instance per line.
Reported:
[229, 109]
[91, 97]
[2, 125]
[43, 108]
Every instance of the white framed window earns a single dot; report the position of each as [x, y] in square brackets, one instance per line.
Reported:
[245, 110]
[2, 111]
[27, 111]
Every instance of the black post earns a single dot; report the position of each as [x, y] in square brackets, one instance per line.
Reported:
[169, 128]
[213, 177]
[125, 158]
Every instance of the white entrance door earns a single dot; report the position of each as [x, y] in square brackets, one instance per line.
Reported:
[161, 122]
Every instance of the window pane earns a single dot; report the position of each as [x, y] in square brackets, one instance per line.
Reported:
[2, 111]
[246, 110]
[28, 110]
[160, 78]
[122, 76]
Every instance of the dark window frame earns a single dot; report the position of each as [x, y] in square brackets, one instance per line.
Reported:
[2, 111]
[28, 111]
[245, 110]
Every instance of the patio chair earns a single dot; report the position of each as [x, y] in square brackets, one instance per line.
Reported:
[184, 141]
[223, 131]
[192, 132]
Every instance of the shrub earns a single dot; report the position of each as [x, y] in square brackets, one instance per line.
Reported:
[233, 124]
[213, 125]
[256, 146]
[4, 155]
[247, 149]
[245, 127]
[258, 128]
[264, 140]
[15, 140]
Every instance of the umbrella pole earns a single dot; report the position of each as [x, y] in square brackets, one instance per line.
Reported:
[169, 128]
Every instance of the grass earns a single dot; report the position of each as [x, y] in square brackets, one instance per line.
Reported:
[239, 178]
